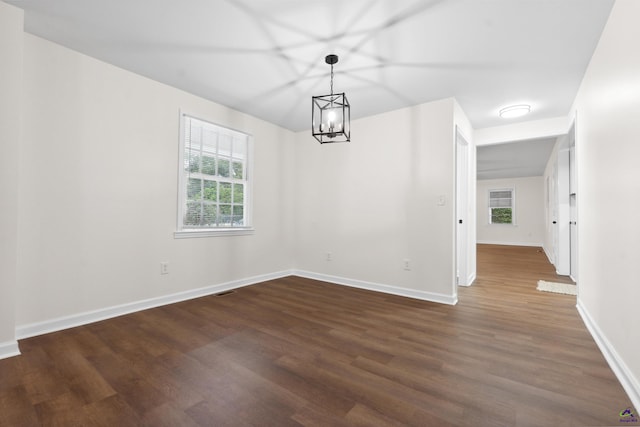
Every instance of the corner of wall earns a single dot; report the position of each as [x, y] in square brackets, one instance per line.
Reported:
[11, 63]
[380, 287]
[9, 349]
[629, 382]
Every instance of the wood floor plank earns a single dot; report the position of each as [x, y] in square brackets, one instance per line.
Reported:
[111, 411]
[63, 410]
[296, 351]
[16, 409]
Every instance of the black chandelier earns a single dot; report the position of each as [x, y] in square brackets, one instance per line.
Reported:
[331, 114]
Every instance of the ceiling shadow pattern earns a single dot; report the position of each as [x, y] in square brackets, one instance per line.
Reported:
[266, 57]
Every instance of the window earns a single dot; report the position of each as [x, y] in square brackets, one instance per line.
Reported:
[214, 185]
[501, 206]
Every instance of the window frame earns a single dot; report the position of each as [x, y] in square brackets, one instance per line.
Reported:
[186, 232]
[512, 207]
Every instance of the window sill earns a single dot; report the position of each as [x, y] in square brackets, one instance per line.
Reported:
[191, 234]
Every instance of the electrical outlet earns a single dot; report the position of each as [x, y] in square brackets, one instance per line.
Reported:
[406, 264]
[164, 268]
[329, 256]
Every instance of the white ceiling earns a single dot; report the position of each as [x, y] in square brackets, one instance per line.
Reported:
[514, 159]
[266, 57]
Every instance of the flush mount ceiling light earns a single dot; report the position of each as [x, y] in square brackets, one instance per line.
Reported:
[331, 114]
[515, 111]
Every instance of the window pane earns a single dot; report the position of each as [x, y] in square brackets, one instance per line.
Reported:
[500, 203]
[210, 191]
[238, 193]
[191, 161]
[238, 215]
[500, 198]
[225, 215]
[506, 194]
[193, 214]
[225, 192]
[237, 170]
[209, 141]
[240, 148]
[501, 216]
[224, 146]
[223, 168]
[194, 132]
[213, 155]
[194, 188]
[210, 215]
[208, 165]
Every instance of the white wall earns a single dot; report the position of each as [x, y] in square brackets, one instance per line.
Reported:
[608, 152]
[98, 191]
[373, 202]
[11, 51]
[529, 229]
[98, 161]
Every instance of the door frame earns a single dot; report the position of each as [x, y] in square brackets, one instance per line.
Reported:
[566, 229]
[464, 212]
[573, 205]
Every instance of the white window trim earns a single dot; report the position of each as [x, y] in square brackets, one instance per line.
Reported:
[211, 232]
[248, 229]
[513, 206]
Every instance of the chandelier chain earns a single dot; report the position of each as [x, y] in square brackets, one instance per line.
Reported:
[331, 79]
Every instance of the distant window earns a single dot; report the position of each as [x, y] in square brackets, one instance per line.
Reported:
[501, 206]
[214, 178]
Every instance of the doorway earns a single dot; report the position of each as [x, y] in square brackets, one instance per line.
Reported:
[564, 207]
[573, 207]
[543, 170]
[462, 210]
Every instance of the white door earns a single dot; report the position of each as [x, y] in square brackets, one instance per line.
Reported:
[563, 257]
[553, 208]
[462, 208]
[573, 207]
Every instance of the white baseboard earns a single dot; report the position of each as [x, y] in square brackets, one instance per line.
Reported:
[378, 287]
[66, 322]
[58, 324]
[9, 349]
[470, 280]
[630, 384]
[546, 252]
[486, 242]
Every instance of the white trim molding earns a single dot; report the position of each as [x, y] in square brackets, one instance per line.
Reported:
[470, 280]
[190, 234]
[58, 324]
[61, 323]
[9, 349]
[532, 244]
[378, 287]
[548, 254]
[630, 384]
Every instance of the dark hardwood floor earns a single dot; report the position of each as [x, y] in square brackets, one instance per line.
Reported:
[295, 351]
